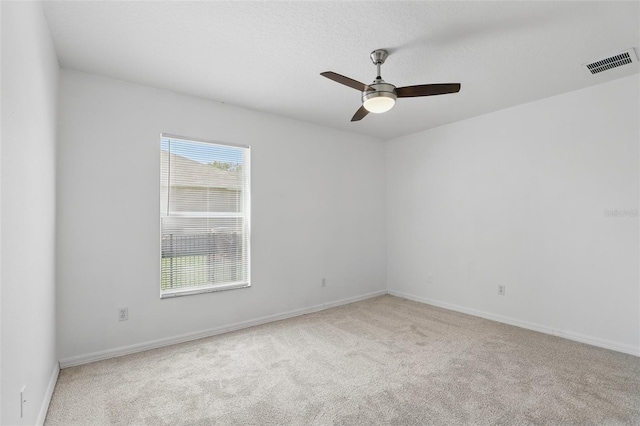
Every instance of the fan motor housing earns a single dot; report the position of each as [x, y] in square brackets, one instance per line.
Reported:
[382, 89]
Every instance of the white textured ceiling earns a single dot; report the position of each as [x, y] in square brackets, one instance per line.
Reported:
[267, 56]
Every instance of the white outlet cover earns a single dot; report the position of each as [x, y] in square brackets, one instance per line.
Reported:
[123, 314]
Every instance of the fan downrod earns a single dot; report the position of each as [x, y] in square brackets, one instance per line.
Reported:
[378, 57]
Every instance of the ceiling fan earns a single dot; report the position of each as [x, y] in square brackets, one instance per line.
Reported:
[380, 96]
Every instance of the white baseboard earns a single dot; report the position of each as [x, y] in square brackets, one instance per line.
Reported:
[48, 395]
[126, 350]
[582, 338]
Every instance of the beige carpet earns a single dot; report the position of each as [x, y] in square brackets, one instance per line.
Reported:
[383, 361]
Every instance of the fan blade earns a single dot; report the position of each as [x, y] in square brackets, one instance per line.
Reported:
[360, 114]
[427, 90]
[346, 81]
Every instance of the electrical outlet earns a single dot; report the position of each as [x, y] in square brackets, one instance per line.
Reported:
[23, 400]
[324, 282]
[123, 314]
[501, 290]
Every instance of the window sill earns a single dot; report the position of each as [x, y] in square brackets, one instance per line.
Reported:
[168, 294]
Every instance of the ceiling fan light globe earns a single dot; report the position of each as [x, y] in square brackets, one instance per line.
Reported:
[381, 99]
[379, 104]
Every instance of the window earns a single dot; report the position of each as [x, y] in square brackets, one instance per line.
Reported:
[204, 216]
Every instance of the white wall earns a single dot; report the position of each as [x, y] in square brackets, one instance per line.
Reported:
[318, 210]
[517, 197]
[29, 91]
[0, 213]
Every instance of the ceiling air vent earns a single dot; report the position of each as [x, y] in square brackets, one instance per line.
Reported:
[623, 58]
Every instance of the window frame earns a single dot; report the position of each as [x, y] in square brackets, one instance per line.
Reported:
[246, 216]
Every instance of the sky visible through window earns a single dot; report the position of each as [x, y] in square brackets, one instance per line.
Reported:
[203, 152]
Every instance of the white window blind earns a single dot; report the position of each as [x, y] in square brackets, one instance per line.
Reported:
[204, 216]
